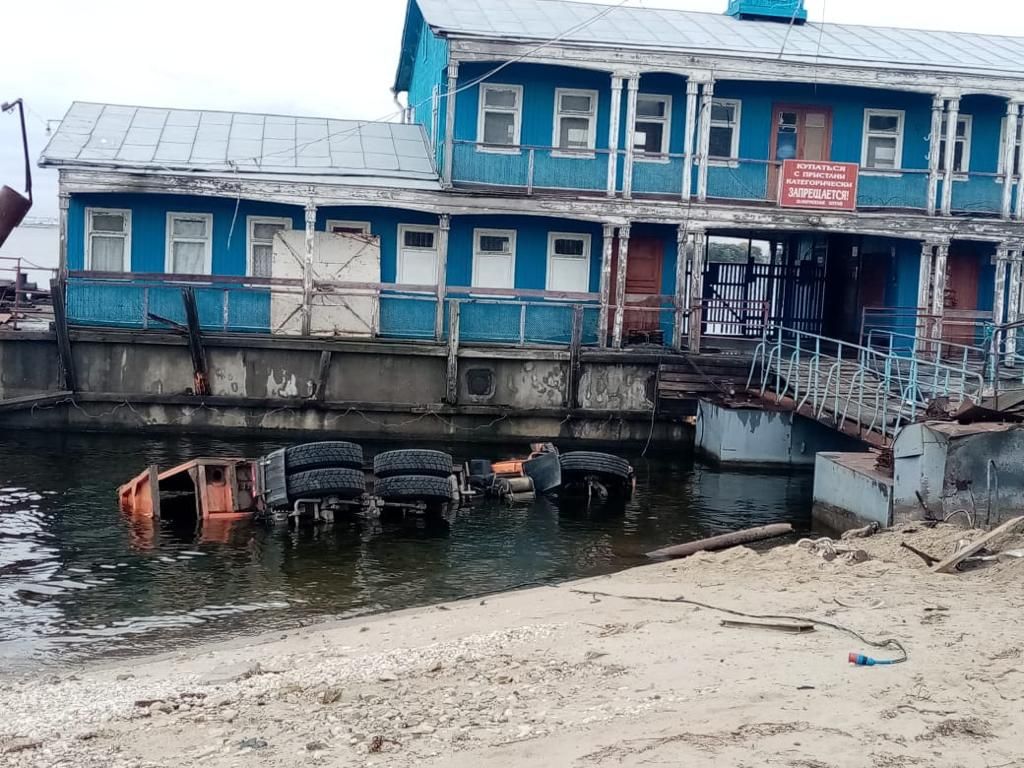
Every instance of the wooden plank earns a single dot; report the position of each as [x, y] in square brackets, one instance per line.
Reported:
[322, 374]
[571, 399]
[60, 324]
[32, 401]
[953, 561]
[154, 490]
[195, 342]
[724, 541]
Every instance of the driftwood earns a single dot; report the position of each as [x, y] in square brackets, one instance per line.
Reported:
[953, 561]
[776, 626]
[723, 542]
[929, 560]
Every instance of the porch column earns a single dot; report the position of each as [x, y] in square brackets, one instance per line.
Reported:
[704, 140]
[632, 87]
[620, 286]
[689, 135]
[444, 225]
[1010, 128]
[682, 238]
[1019, 208]
[697, 288]
[65, 202]
[307, 270]
[449, 122]
[924, 291]
[1013, 310]
[999, 295]
[939, 287]
[934, 144]
[952, 118]
[606, 283]
[613, 135]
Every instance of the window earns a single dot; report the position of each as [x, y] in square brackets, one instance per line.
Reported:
[498, 124]
[189, 250]
[108, 240]
[568, 262]
[494, 258]
[883, 140]
[1016, 150]
[575, 120]
[261, 243]
[417, 255]
[962, 150]
[651, 131]
[338, 227]
[724, 137]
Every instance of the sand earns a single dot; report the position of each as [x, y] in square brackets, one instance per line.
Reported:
[555, 677]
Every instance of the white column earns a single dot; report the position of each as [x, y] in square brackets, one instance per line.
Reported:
[449, 122]
[1013, 312]
[690, 134]
[606, 283]
[444, 225]
[1010, 127]
[307, 270]
[999, 290]
[934, 145]
[613, 135]
[939, 288]
[952, 118]
[682, 237]
[704, 140]
[620, 286]
[924, 291]
[696, 289]
[65, 202]
[1019, 208]
[632, 87]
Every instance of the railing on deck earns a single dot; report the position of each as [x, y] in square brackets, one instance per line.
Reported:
[22, 305]
[527, 168]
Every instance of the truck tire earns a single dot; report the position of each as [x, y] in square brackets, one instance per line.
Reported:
[414, 488]
[592, 463]
[412, 462]
[334, 481]
[332, 453]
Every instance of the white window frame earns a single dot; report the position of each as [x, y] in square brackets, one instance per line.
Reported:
[901, 115]
[517, 120]
[250, 223]
[734, 150]
[485, 232]
[126, 258]
[402, 247]
[1016, 144]
[587, 242]
[362, 226]
[208, 240]
[662, 155]
[558, 151]
[960, 175]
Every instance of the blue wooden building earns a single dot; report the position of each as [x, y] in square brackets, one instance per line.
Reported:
[675, 174]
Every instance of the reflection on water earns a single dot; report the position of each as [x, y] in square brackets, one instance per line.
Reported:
[78, 580]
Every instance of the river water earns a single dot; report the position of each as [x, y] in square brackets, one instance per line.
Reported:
[77, 581]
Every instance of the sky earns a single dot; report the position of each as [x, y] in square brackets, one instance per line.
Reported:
[301, 57]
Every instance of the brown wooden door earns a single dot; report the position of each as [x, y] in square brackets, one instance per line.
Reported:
[799, 133]
[643, 281]
[961, 298]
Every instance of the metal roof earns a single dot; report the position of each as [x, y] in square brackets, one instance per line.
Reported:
[654, 28]
[123, 137]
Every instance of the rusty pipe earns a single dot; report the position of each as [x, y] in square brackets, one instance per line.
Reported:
[13, 204]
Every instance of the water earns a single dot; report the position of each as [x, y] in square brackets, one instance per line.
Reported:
[78, 581]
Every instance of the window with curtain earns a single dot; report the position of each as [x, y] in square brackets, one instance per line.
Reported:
[651, 130]
[724, 136]
[568, 262]
[500, 116]
[417, 255]
[108, 237]
[189, 238]
[575, 119]
[962, 150]
[261, 244]
[883, 140]
[494, 258]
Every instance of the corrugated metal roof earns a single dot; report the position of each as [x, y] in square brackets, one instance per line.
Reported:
[113, 136]
[627, 26]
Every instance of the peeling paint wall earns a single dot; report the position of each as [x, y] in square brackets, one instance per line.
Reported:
[620, 387]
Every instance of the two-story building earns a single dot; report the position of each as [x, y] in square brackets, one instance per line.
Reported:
[677, 174]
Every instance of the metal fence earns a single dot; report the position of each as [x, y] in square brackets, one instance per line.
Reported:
[24, 305]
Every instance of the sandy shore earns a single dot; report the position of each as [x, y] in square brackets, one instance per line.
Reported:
[553, 677]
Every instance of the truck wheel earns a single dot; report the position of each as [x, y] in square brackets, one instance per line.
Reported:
[414, 488]
[332, 453]
[412, 462]
[318, 483]
[592, 463]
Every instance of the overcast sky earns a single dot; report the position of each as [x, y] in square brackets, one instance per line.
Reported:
[300, 57]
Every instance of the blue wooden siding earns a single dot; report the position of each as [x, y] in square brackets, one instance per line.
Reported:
[428, 70]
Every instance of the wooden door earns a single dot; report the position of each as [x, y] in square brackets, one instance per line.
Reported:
[643, 281]
[800, 133]
[961, 298]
